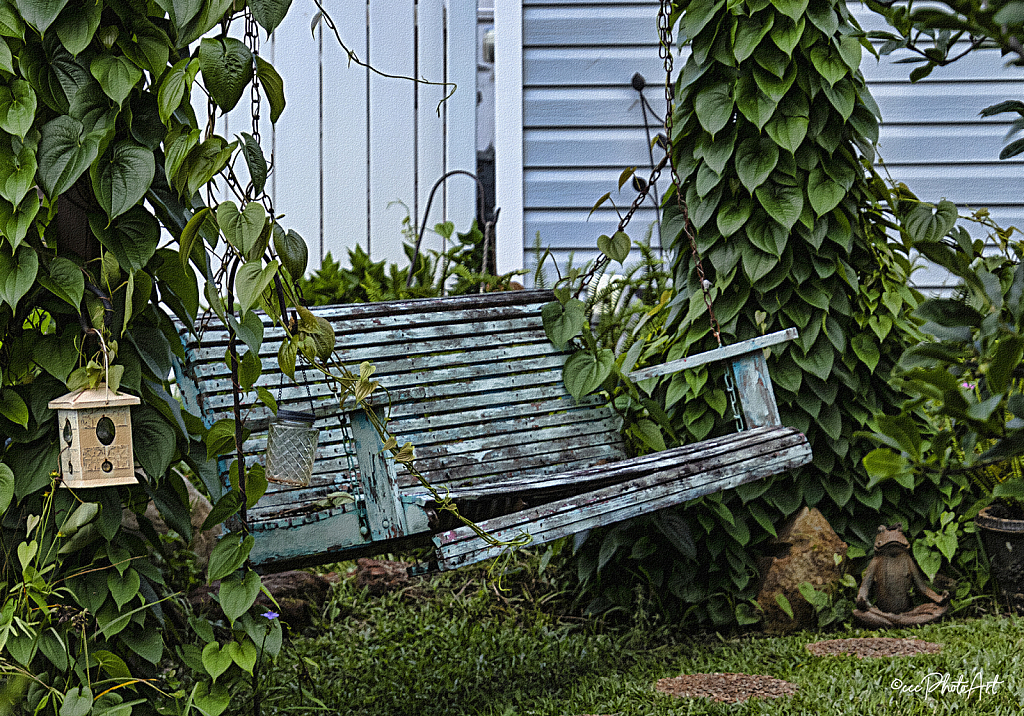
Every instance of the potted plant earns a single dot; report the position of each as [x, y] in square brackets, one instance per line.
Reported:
[964, 418]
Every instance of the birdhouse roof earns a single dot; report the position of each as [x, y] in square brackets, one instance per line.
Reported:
[92, 398]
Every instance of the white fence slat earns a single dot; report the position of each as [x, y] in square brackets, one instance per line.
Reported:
[345, 139]
[430, 137]
[295, 183]
[461, 113]
[392, 117]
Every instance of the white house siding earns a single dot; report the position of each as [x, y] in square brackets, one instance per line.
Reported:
[582, 123]
[350, 142]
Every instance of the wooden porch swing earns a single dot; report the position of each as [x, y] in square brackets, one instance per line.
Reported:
[476, 385]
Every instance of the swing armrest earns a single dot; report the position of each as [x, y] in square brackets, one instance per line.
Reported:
[749, 370]
[731, 351]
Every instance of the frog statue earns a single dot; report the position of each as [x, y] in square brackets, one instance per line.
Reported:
[893, 575]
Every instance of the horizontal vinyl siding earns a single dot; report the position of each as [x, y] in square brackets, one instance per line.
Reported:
[583, 124]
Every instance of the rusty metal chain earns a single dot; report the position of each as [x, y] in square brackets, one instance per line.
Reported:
[665, 40]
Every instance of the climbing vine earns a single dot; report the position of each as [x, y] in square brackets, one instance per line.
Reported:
[773, 134]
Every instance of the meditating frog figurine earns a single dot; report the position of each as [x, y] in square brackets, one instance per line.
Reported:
[893, 575]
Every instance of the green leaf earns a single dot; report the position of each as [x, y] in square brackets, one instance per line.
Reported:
[15, 221]
[562, 323]
[175, 86]
[216, 660]
[77, 701]
[716, 152]
[823, 193]
[65, 152]
[11, 24]
[866, 348]
[237, 595]
[226, 65]
[123, 587]
[17, 168]
[842, 96]
[256, 163]
[242, 229]
[13, 407]
[243, 653]
[784, 604]
[116, 74]
[791, 8]
[220, 439]
[291, 250]
[783, 203]
[733, 215]
[122, 177]
[829, 64]
[252, 280]
[269, 13]
[40, 14]
[615, 247]
[649, 434]
[65, 281]
[132, 237]
[226, 506]
[788, 132]
[850, 51]
[755, 159]
[6, 58]
[774, 87]
[212, 701]
[286, 355]
[191, 233]
[749, 33]
[229, 554]
[17, 107]
[930, 222]
[585, 371]
[757, 263]
[754, 104]
[153, 440]
[823, 17]
[273, 87]
[17, 273]
[6, 487]
[1009, 351]
[713, 106]
[77, 27]
[786, 34]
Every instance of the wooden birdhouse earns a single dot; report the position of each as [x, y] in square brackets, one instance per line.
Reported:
[95, 429]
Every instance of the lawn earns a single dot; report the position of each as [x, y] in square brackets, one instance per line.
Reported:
[454, 644]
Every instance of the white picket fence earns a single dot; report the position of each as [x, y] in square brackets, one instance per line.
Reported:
[351, 144]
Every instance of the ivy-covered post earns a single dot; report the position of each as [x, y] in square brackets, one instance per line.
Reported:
[773, 133]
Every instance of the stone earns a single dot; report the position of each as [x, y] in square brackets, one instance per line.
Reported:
[380, 576]
[299, 596]
[805, 550]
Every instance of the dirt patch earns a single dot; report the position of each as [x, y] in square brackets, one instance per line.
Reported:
[873, 647]
[726, 688]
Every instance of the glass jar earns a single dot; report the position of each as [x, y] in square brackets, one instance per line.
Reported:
[291, 448]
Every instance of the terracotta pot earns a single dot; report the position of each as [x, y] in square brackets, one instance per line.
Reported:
[1004, 545]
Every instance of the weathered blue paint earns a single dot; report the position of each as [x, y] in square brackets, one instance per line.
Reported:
[477, 388]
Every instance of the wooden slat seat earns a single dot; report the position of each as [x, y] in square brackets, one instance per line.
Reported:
[474, 383]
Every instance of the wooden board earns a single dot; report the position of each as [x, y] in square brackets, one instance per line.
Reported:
[641, 485]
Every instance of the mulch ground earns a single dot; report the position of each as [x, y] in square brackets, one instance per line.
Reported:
[726, 688]
[873, 647]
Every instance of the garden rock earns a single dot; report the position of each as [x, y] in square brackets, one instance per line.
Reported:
[299, 596]
[805, 550]
[381, 576]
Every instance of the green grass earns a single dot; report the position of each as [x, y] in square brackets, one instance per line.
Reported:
[453, 646]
